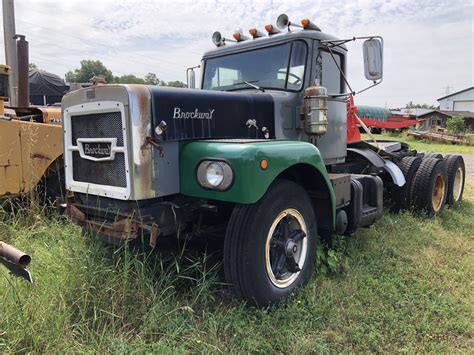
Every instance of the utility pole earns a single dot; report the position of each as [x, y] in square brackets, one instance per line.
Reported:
[447, 89]
[9, 33]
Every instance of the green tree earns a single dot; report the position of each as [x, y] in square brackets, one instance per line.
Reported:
[88, 69]
[32, 66]
[152, 79]
[176, 84]
[128, 79]
[455, 124]
[412, 105]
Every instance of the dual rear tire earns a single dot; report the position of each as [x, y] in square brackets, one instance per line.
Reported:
[431, 182]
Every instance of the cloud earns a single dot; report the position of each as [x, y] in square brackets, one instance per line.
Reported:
[428, 44]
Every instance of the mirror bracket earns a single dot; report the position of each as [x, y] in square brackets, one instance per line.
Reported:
[329, 44]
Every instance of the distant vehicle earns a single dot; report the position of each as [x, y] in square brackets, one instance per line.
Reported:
[31, 147]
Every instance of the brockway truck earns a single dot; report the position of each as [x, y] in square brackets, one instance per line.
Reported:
[268, 149]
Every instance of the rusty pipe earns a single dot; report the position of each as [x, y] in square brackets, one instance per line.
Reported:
[23, 71]
[14, 255]
[15, 260]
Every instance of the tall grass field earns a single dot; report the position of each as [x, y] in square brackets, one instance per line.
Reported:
[404, 284]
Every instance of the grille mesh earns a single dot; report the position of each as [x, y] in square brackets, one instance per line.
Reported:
[109, 173]
[97, 125]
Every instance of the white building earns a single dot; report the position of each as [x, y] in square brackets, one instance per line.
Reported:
[458, 101]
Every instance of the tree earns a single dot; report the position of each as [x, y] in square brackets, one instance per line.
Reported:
[176, 84]
[32, 66]
[412, 105]
[455, 124]
[152, 79]
[88, 69]
[128, 79]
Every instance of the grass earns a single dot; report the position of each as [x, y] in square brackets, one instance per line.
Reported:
[405, 284]
[423, 145]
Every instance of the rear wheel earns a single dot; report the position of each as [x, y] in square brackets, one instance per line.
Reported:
[430, 186]
[270, 246]
[456, 172]
[401, 196]
[433, 156]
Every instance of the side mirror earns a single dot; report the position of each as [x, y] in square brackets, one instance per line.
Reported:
[373, 59]
[191, 77]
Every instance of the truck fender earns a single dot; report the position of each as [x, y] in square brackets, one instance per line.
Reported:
[395, 173]
[284, 159]
[368, 155]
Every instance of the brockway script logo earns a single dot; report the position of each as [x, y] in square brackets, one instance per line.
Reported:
[193, 115]
[97, 150]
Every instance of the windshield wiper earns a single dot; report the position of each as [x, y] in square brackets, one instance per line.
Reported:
[249, 83]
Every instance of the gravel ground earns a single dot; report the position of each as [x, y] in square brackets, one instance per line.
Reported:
[469, 162]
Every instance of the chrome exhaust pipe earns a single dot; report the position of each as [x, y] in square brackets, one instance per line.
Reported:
[15, 260]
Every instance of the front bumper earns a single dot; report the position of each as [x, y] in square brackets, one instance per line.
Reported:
[126, 226]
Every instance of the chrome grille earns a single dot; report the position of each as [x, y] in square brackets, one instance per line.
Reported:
[97, 125]
[109, 173]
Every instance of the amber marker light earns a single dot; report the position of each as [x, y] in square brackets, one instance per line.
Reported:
[263, 164]
[269, 28]
[305, 22]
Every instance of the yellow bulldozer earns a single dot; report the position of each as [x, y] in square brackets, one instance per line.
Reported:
[31, 146]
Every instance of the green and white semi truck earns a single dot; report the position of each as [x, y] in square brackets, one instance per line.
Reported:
[266, 150]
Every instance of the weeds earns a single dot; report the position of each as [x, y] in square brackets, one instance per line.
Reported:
[401, 285]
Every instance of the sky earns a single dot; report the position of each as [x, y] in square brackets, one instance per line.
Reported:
[428, 44]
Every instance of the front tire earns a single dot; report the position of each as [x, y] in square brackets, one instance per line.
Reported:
[270, 246]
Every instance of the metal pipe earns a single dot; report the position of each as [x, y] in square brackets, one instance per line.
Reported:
[14, 255]
[23, 64]
[9, 32]
[15, 260]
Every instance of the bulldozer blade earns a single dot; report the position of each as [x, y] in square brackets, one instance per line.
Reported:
[16, 270]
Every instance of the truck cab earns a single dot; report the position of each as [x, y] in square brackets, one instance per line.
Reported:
[264, 154]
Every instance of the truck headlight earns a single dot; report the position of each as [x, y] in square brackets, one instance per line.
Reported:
[215, 175]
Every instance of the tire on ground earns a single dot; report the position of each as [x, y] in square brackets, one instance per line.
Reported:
[264, 241]
[430, 186]
[401, 198]
[456, 172]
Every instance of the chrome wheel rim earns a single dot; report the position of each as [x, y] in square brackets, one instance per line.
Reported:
[286, 248]
[457, 186]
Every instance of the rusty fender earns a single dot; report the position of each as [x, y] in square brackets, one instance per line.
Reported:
[15, 260]
[126, 228]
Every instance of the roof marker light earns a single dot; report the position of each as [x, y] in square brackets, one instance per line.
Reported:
[308, 25]
[239, 36]
[256, 33]
[271, 30]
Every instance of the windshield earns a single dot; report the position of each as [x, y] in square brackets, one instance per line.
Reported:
[279, 67]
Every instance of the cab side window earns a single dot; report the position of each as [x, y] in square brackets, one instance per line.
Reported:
[330, 75]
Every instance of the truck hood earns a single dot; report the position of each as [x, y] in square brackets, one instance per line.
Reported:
[204, 114]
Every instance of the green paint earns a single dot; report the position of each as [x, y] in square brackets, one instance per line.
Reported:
[250, 181]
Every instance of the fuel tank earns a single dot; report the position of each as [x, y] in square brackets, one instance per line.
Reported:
[198, 114]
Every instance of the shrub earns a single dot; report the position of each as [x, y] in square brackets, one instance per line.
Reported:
[455, 124]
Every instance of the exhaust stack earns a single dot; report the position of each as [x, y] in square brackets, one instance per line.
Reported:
[23, 70]
[15, 260]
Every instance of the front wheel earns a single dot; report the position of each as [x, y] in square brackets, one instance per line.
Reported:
[270, 246]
